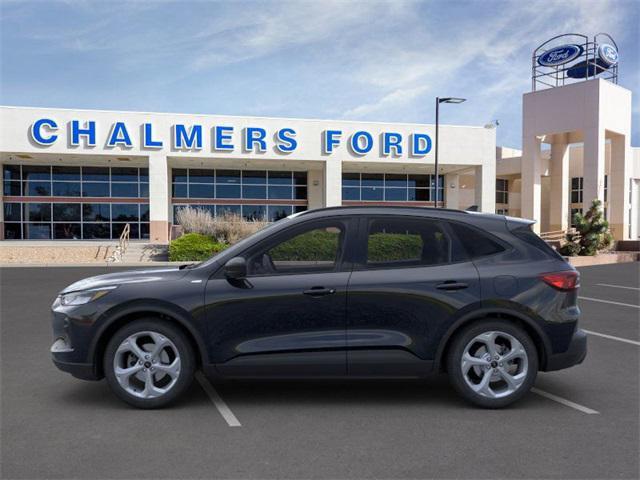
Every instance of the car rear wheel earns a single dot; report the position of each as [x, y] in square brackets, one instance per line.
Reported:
[492, 363]
[149, 363]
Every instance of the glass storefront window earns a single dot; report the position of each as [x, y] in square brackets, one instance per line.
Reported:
[391, 187]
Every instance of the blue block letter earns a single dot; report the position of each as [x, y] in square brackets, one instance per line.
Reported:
[421, 144]
[89, 131]
[253, 136]
[184, 139]
[147, 138]
[119, 136]
[36, 131]
[330, 140]
[392, 140]
[355, 142]
[223, 135]
[286, 140]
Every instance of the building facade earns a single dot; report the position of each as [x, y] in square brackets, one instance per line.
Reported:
[85, 174]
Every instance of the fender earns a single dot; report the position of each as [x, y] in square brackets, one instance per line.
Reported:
[150, 305]
[487, 312]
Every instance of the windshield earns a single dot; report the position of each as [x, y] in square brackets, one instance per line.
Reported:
[238, 247]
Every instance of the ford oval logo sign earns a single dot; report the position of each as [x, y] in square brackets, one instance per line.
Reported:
[608, 54]
[560, 55]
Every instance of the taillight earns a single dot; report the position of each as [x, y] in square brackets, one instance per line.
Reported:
[565, 281]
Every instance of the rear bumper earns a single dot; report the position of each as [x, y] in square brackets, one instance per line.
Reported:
[574, 355]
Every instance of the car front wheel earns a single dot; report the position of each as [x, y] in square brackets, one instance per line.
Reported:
[149, 363]
[492, 363]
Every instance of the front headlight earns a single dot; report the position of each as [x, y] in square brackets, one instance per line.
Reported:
[84, 296]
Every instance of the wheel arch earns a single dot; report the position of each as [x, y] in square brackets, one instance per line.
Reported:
[114, 320]
[529, 325]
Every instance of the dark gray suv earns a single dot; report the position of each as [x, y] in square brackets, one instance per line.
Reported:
[337, 292]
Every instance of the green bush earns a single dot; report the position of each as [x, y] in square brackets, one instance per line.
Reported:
[388, 247]
[194, 247]
[316, 245]
[591, 235]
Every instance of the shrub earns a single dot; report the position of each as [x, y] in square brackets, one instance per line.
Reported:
[194, 247]
[592, 233]
[227, 228]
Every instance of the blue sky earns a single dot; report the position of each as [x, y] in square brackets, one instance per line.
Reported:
[369, 60]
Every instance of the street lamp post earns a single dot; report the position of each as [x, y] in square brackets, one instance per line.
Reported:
[438, 102]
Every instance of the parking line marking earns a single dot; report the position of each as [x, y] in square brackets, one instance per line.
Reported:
[609, 301]
[565, 402]
[617, 286]
[217, 400]
[611, 337]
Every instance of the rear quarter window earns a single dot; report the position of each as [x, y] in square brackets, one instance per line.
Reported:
[527, 235]
[476, 242]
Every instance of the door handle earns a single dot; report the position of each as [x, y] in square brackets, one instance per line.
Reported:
[319, 291]
[451, 285]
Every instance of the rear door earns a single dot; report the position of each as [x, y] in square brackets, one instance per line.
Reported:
[411, 280]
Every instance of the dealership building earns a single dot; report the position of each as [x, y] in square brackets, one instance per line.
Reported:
[85, 174]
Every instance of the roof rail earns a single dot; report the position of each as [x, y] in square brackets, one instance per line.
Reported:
[353, 207]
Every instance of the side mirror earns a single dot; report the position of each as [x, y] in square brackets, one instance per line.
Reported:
[236, 268]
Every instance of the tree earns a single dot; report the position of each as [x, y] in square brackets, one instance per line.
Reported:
[591, 235]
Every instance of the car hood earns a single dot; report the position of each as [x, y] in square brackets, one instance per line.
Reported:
[120, 278]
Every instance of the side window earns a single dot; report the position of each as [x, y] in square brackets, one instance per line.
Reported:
[406, 242]
[313, 250]
[475, 242]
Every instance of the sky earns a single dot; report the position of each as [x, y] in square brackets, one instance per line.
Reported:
[344, 60]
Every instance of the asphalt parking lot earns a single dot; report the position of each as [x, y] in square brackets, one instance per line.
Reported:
[581, 423]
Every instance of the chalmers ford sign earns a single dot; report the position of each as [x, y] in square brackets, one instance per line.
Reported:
[221, 138]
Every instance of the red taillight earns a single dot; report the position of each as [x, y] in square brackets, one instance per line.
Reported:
[565, 281]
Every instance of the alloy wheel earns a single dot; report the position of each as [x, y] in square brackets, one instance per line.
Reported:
[494, 364]
[147, 364]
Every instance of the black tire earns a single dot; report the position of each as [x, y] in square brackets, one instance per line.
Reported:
[462, 339]
[183, 346]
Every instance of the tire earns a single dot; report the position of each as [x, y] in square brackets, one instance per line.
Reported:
[141, 378]
[511, 375]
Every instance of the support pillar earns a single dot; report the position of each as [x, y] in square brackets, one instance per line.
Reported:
[452, 189]
[485, 189]
[159, 198]
[619, 187]
[332, 183]
[593, 167]
[559, 204]
[531, 180]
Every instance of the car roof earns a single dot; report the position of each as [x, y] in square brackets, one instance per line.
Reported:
[448, 213]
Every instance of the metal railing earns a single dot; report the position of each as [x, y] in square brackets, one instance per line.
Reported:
[123, 244]
[556, 235]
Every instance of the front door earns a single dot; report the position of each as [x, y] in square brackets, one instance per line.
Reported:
[405, 291]
[288, 318]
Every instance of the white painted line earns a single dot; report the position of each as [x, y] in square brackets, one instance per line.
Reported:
[609, 301]
[565, 402]
[611, 337]
[617, 286]
[217, 400]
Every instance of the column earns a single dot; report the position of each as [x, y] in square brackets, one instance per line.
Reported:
[531, 180]
[315, 189]
[485, 188]
[159, 199]
[452, 189]
[593, 167]
[332, 182]
[559, 195]
[618, 188]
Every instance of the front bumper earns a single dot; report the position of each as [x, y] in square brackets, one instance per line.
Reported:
[63, 357]
[574, 355]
